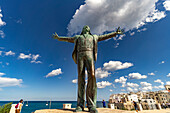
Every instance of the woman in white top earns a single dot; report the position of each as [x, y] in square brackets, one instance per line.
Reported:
[18, 108]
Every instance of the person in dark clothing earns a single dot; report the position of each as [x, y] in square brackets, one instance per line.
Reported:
[104, 104]
[136, 106]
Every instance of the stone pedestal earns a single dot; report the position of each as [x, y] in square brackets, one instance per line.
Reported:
[67, 106]
[112, 106]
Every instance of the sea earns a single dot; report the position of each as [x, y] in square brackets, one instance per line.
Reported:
[37, 105]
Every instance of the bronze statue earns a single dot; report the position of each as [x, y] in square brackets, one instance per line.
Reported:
[84, 55]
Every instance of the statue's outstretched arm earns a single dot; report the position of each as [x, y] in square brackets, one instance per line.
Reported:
[106, 36]
[65, 39]
[110, 35]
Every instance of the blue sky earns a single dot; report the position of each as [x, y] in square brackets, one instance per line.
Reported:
[33, 66]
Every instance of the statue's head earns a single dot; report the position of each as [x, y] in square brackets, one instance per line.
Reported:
[86, 29]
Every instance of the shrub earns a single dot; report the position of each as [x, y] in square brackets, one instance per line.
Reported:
[132, 109]
[5, 108]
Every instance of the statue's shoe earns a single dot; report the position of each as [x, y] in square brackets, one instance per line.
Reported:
[79, 109]
[93, 110]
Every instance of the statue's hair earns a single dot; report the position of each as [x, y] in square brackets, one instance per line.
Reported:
[82, 31]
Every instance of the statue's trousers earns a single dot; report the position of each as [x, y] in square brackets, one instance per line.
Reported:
[86, 60]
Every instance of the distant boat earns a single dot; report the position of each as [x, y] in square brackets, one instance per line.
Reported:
[47, 103]
[26, 104]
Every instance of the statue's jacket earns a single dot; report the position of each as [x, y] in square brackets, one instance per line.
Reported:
[96, 39]
[74, 54]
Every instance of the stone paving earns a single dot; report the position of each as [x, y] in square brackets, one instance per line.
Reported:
[100, 110]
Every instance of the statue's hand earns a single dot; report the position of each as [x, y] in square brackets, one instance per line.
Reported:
[55, 36]
[119, 31]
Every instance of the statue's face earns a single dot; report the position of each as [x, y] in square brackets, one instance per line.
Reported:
[86, 29]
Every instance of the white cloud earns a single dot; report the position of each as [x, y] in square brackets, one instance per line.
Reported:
[2, 35]
[104, 15]
[1, 53]
[9, 53]
[140, 30]
[116, 45]
[1, 22]
[103, 84]
[111, 90]
[121, 80]
[116, 65]
[19, 21]
[151, 73]
[123, 90]
[159, 81]
[129, 89]
[145, 84]
[1, 74]
[147, 88]
[121, 37]
[160, 86]
[50, 65]
[23, 56]
[137, 76]
[37, 62]
[54, 73]
[168, 83]
[162, 62]
[74, 81]
[2, 48]
[131, 34]
[30, 56]
[8, 82]
[168, 75]
[34, 58]
[114, 86]
[101, 73]
[155, 16]
[167, 5]
[132, 84]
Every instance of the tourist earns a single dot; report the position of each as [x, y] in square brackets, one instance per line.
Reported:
[19, 106]
[163, 105]
[136, 106]
[168, 105]
[104, 104]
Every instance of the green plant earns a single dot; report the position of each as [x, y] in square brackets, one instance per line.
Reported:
[132, 109]
[124, 109]
[5, 108]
